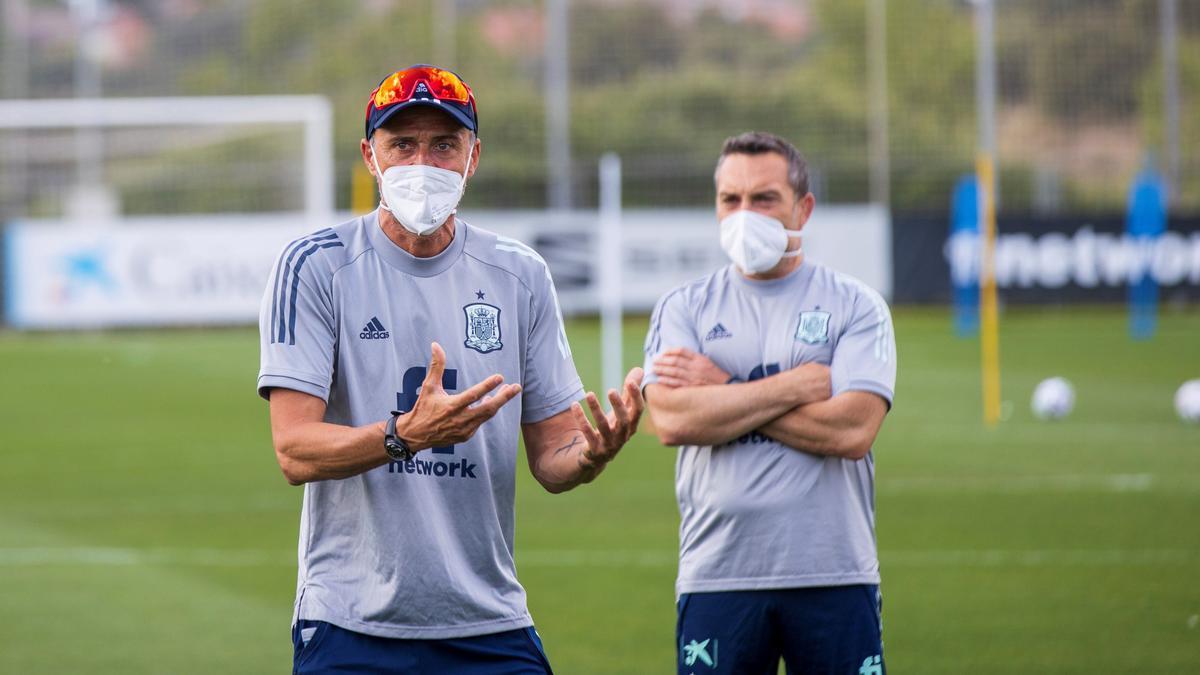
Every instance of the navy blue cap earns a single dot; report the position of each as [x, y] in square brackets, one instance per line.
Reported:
[422, 85]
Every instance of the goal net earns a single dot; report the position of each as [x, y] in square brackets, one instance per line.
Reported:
[154, 211]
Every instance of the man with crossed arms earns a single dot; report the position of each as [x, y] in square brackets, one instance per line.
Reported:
[773, 376]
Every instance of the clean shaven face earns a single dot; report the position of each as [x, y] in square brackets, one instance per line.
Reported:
[759, 183]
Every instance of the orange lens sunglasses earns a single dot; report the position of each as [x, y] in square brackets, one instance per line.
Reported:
[400, 86]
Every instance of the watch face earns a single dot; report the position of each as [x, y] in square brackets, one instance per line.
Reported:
[396, 450]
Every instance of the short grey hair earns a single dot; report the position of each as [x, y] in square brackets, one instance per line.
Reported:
[760, 142]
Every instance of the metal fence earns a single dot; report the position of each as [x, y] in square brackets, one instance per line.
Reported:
[878, 93]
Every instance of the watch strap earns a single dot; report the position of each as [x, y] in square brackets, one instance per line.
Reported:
[393, 445]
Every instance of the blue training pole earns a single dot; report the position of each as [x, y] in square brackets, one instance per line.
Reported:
[964, 231]
[1146, 221]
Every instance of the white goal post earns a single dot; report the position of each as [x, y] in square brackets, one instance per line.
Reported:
[313, 112]
[194, 198]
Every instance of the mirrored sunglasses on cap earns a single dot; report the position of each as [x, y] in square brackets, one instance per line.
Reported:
[421, 83]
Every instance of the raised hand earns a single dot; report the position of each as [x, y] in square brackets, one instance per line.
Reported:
[612, 430]
[439, 419]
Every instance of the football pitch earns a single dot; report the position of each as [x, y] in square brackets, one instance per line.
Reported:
[145, 527]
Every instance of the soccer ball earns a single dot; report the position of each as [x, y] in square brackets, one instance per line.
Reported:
[1053, 399]
[1187, 401]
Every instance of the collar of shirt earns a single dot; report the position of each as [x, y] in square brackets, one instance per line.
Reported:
[797, 279]
[408, 263]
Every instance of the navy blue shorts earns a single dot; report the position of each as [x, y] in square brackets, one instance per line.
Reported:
[333, 649]
[830, 630]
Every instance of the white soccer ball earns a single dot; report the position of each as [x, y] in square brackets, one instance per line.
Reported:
[1187, 401]
[1053, 399]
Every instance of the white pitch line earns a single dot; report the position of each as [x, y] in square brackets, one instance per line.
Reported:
[132, 557]
[1121, 482]
[196, 505]
[100, 556]
[1039, 558]
[909, 558]
[565, 558]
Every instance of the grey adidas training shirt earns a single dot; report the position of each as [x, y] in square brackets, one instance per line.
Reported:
[756, 514]
[422, 549]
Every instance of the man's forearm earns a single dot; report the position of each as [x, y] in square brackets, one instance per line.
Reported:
[843, 426]
[565, 466]
[566, 450]
[714, 414]
[312, 451]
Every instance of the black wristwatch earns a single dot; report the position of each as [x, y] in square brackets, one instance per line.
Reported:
[393, 445]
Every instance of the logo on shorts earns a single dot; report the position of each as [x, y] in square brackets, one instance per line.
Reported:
[698, 651]
[813, 328]
[872, 665]
[483, 327]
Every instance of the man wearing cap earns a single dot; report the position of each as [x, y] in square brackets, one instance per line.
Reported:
[402, 353]
[773, 376]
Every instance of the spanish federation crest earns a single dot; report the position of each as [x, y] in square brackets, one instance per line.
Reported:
[813, 328]
[483, 327]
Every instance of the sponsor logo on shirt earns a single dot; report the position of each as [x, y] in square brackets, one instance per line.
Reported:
[436, 467]
[374, 330]
[460, 469]
[753, 437]
[717, 332]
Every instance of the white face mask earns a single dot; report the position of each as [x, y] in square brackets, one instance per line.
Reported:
[754, 242]
[421, 197]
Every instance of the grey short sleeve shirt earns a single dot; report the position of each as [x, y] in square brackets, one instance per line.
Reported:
[421, 549]
[756, 514]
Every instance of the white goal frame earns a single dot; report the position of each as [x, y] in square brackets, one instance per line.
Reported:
[313, 112]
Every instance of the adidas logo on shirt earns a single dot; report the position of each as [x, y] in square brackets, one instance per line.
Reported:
[718, 331]
[374, 330]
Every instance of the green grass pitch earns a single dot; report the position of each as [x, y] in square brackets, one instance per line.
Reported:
[145, 528]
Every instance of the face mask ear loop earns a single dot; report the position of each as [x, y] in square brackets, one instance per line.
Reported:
[462, 184]
[470, 155]
[793, 234]
[379, 176]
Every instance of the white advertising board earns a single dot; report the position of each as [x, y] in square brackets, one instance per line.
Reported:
[212, 270]
[661, 249]
[145, 272]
